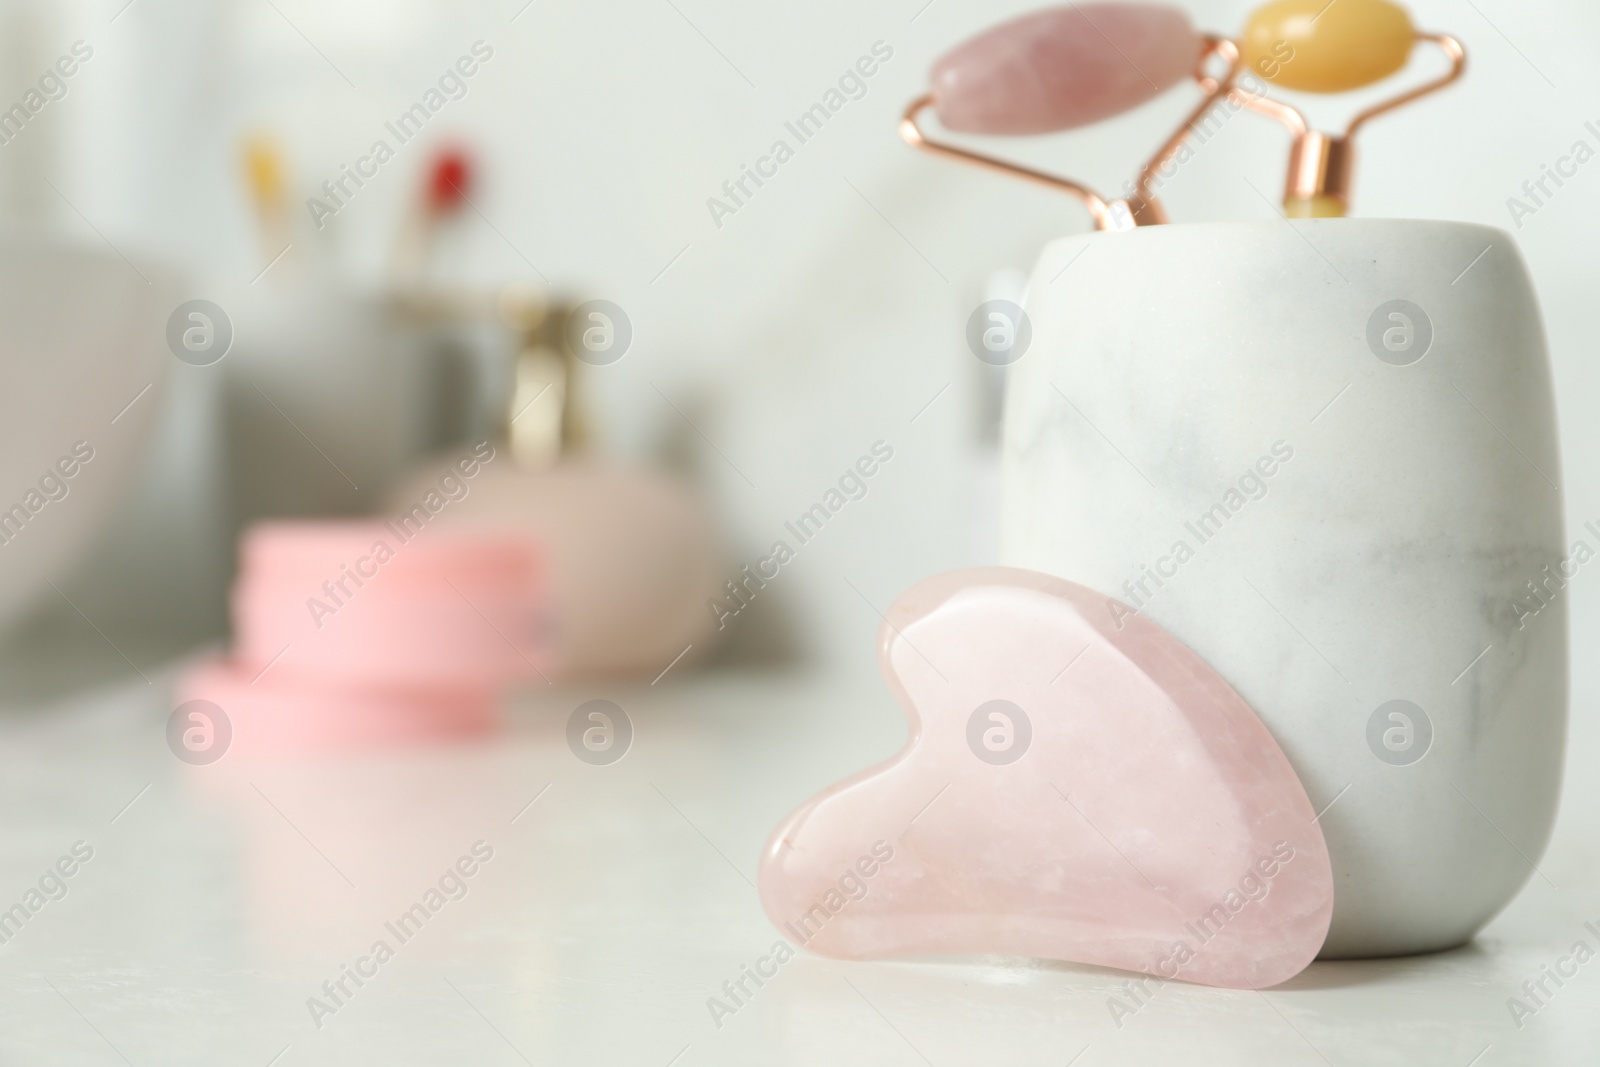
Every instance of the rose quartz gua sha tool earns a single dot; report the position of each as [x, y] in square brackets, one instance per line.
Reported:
[1073, 790]
[1317, 47]
[1065, 67]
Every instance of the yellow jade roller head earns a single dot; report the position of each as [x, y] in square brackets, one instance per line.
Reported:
[1331, 46]
[1319, 47]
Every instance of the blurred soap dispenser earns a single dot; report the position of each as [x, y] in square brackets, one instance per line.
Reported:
[632, 557]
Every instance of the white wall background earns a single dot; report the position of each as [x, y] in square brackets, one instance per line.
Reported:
[830, 310]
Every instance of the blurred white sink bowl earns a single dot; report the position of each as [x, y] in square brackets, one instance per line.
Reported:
[82, 363]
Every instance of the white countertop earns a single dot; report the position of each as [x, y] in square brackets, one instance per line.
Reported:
[219, 899]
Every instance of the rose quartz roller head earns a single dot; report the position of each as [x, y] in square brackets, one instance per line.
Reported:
[1062, 67]
[1065, 67]
[1078, 785]
[349, 633]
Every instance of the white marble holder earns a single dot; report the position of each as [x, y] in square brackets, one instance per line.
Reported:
[1324, 455]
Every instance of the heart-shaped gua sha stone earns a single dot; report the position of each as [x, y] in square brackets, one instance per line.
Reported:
[1078, 786]
[1063, 67]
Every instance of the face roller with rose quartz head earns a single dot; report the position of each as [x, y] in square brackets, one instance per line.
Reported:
[1065, 67]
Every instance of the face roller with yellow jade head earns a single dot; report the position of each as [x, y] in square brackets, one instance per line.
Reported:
[1319, 47]
[1065, 67]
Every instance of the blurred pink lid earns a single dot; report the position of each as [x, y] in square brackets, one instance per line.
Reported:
[355, 601]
